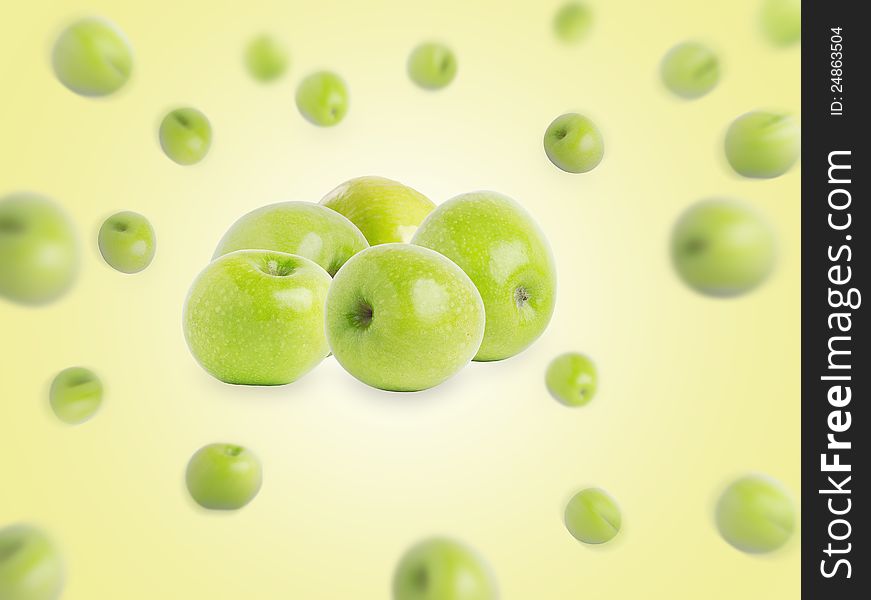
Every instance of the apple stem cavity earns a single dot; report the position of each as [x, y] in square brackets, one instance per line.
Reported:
[362, 315]
[521, 296]
[560, 134]
[10, 549]
[421, 578]
[276, 268]
[233, 450]
[11, 226]
[696, 246]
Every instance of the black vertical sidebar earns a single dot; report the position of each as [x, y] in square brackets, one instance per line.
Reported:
[836, 438]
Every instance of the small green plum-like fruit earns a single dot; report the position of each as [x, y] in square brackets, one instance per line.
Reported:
[432, 65]
[76, 395]
[781, 21]
[571, 379]
[322, 98]
[384, 210]
[506, 255]
[755, 514]
[127, 242]
[403, 318]
[31, 567]
[722, 248]
[223, 476]
[256, 317]
[39, 253]
[443, 569]
[265, 59]
[592, 516]
[92, 58]
[573, 22]
[302, 228]
[573, 143]
[690, 70]
[763, 144]
[185, 136]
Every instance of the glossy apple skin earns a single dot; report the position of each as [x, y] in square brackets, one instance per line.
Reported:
[593, 517]
[573, 143]
[265, 59]
[443, 569]
[386, 211]
[506, 255]
[39, 253]
[763, 144]
[31, 567]
[781, 21]
[571, 379]
[573, 22]
[302, 228]
[690, 70]
[322, 98]
[223, 476]
[256, 317]
[127, 242]
[432, 65]
[76, 395]
[92, 57]
[722, 248]
[755, 514]
[185, 136]
[403, 318]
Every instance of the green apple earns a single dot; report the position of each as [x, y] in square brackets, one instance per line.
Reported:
[322, 98]
[573, 143]
[256, 317]
[384, 210]
[592, 516]
[127, 242]
[690, 70]
[763, 144]
[443, 569]
[30, 564]
[722, 248]
[185, 136]
[508, 258]
[76, 395]
[265, 58]
[571, 379]
[302, 228]
[403, 318]
[755, 514]
[573, 22]
[781, 21]
[39, 253]
[92, 57]
[432, 65]
[223, 476]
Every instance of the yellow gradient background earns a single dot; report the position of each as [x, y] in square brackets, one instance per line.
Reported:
[694, 391]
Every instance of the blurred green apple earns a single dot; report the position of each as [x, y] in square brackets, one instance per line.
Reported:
[432, 65]
[781, 21]
[403, 318]
[690, 70]
[384, 210]
[223, 476]
[592, 516]
[127, 242]
[722, 248]
[76, 395]
[755, 514]
[763, 144]
[571, 379]
[443, 569]
[302, 228]
[256, 317]
[322, 98]
[573, 22]
[38, 249]
[92, 57]
[185, 136]
[573, 143]
[265, 58]
[30, 565]
[508, 258]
